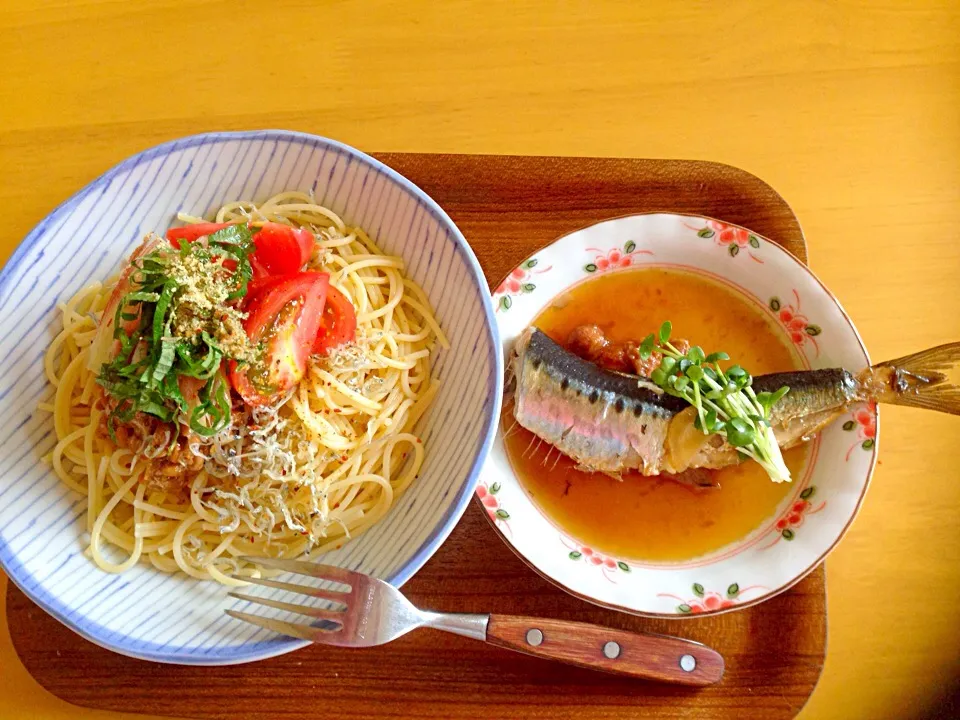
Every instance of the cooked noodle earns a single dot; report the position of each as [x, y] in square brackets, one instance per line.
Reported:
[304, 477]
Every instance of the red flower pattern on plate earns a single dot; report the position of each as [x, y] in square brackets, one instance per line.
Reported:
[710, 601]
[615, 258]
[517, 283]
[788, 523]
[797, 325]
[735, 239]
[488, 498]
[865, 423]
[608, 566]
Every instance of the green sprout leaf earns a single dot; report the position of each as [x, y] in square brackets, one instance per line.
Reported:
[646, 347]
[630, 246]
[698, 590]
[725, 401]
[575, 555]
[665, 331]
[735, 371]
[740, 433]
[705, 233]
[710, 420]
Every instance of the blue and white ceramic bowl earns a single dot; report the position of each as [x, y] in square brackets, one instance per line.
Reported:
[172, 618]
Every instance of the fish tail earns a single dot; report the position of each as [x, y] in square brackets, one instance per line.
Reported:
[927, 379]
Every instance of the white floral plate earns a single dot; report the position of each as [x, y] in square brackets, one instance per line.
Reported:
[807, 524]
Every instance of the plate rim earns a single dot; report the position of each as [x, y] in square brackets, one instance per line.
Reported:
[844, 530]
[264, 649]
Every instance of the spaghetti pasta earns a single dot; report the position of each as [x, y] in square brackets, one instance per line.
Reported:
[300, 476]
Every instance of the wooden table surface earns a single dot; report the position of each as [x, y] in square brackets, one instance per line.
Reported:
[850, 109]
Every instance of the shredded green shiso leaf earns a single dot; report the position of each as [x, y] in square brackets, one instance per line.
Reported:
[182, 300]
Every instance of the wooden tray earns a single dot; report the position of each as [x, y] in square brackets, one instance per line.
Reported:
[507, 207]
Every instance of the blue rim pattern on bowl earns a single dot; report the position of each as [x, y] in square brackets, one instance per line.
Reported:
[230, 654]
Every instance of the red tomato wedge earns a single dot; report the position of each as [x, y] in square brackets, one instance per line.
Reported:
[338, 324]
[282, 249]
[307, 243]
[277, 249]
[260, 281]
[192, 232]
[285, 317]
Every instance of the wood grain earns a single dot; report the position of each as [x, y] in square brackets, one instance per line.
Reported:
[662, 658]
[507, 207]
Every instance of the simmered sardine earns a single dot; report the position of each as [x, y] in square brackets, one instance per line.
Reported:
[611, 422]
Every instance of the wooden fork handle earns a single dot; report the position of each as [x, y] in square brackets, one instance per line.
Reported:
[641, 655]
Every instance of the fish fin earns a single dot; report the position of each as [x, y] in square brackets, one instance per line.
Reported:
[927, 379]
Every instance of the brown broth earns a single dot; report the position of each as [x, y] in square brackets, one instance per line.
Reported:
[648, 518]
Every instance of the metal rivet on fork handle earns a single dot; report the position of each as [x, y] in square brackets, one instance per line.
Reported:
[534, 636]
[611, 650]
[688, 663]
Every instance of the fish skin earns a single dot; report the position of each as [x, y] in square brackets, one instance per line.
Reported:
[611, 422]
[811, 391]
[605, 421]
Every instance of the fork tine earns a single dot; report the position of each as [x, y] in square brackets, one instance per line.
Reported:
[324, 572]
[334, 595]
[304, 632]
[322, 613]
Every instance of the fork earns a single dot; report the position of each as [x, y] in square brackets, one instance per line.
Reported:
[374, 612]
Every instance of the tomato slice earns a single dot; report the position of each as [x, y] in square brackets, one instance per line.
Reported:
[285, 316]
[338, 324]
[192, 232]
[307, 243]
[282, 249]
